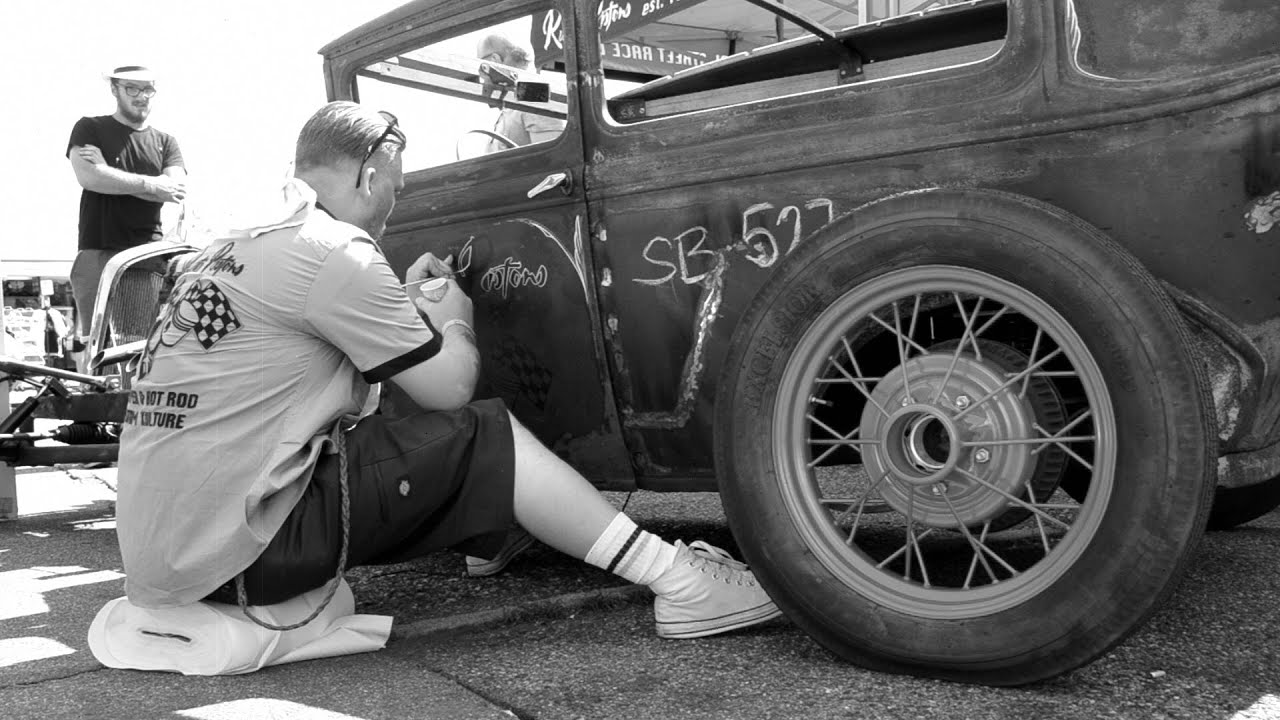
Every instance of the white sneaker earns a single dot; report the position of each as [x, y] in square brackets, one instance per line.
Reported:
[706, 592]
[518, 540]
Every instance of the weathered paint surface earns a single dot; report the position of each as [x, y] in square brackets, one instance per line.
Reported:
[1170, 171]
[695, 366]
[1158, 122]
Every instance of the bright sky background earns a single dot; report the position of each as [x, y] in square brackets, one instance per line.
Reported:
[238, 79]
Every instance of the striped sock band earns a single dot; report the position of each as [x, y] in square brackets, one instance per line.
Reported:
[631, 553]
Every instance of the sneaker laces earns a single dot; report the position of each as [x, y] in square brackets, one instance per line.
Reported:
[704, 555]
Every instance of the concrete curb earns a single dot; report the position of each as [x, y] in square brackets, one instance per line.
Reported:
[552, 606]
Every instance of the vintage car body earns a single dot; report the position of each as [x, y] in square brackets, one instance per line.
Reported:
[650, 314]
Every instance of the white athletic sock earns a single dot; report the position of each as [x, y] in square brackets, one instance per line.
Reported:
[631, 553]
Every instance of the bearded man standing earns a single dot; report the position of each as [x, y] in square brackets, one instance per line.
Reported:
[127, 170]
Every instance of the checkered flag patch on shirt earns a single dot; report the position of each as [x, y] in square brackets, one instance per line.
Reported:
[214, 318]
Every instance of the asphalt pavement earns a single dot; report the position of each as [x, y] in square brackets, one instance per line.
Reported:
[551, 638]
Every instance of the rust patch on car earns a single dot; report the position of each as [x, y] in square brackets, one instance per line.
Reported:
[694, 364]
[1263, 214]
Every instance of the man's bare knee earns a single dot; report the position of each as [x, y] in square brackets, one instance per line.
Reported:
[522, 439]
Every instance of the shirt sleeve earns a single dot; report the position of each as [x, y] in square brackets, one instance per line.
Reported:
[541, 128]
[172, 154]
[357, 303]
[84, 133]
[510, 125]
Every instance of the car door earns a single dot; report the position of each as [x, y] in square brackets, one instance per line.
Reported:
[494, 180]
[727, 149]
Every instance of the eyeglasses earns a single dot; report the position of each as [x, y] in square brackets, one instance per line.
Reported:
[392, 121]
[135, 91]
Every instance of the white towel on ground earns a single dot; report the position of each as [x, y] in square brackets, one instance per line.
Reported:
[207, 638]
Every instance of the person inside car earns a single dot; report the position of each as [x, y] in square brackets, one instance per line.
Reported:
[518, 126]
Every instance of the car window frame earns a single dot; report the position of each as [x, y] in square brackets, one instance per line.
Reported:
[1021, 57]
[372, 44]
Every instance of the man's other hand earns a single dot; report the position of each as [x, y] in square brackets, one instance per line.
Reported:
[167, 189]
[455, 305]
[91, 154]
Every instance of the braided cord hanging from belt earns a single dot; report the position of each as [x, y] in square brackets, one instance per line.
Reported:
[242, 597]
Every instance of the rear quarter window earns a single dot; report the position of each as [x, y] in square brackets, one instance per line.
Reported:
[1163, 39]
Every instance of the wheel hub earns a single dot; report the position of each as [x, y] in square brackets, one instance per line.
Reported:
[934, 427]
[920, 445]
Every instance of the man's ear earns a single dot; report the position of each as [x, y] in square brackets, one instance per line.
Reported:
[367, 174]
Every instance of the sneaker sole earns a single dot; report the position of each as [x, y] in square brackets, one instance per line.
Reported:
[714, 626]
[498, 564]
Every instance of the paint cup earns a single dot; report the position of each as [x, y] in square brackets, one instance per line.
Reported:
[431, 289]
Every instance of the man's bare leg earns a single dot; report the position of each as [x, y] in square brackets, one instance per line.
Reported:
[552, 501]
[700, 590]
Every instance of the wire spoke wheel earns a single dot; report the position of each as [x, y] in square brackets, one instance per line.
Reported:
[962, 434]
[940, 443]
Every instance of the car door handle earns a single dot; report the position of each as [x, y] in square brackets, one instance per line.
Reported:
[562, 180]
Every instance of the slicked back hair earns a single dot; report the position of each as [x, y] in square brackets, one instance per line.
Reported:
[343, 131]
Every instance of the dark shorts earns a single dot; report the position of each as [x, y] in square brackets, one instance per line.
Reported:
[417, 484]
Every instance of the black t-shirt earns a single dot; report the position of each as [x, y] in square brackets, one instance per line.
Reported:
[116, 222]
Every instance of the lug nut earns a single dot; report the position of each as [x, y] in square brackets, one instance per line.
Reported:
[982, 455]
[938, 488]
[962, 402]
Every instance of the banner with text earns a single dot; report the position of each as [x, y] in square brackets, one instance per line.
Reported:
[651, 59]
[616, 19]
